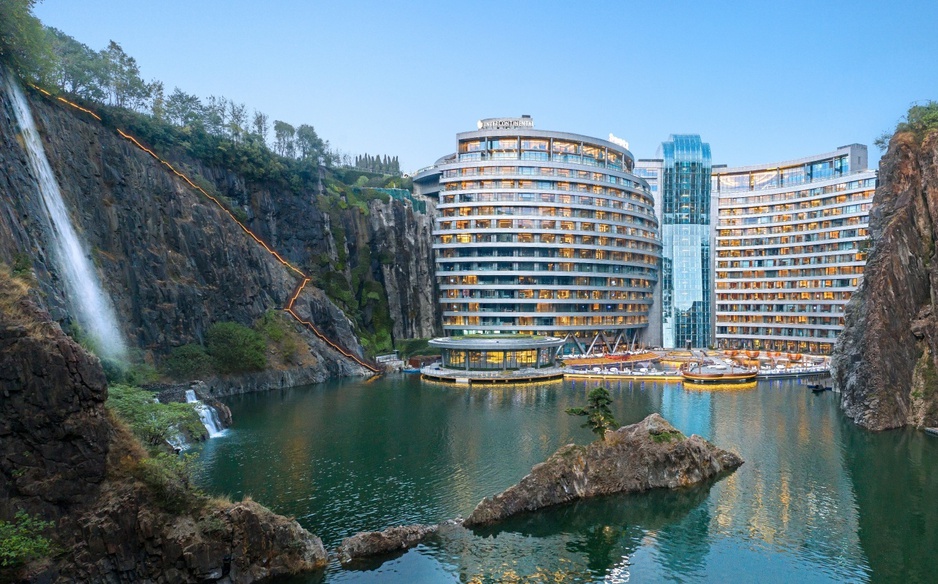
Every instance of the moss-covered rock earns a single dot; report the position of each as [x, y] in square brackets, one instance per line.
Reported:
[651, 454]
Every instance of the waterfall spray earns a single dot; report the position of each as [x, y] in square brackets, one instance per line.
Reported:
[90, 304]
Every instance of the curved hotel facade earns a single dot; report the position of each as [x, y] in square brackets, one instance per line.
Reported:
[791, 246]
[545, 233]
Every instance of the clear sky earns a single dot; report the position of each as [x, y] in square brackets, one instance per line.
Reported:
[761, 81]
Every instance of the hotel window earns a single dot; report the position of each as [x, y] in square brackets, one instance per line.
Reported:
[470, 146]
[563, 147]
[533, 144]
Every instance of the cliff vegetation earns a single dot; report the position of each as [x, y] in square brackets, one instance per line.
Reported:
[351, 225]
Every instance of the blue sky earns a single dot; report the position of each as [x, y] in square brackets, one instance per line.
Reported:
[760, 81]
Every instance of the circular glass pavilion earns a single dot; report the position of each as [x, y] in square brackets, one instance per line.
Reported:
[498, 352]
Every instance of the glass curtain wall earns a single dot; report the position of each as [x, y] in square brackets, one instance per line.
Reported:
[687, 277]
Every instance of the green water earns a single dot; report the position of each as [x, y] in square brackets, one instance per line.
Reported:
[818, 499]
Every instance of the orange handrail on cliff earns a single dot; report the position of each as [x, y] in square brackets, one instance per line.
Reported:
[298, 290]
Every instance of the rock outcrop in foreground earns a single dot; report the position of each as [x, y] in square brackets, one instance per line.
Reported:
[375, 543]
[647, 455]
[884, 362]
[64, 459]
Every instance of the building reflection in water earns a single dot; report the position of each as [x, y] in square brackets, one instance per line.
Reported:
[350, 457]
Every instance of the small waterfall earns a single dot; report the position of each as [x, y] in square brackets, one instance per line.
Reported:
[177, 442]
[208, 414]
[91, 306]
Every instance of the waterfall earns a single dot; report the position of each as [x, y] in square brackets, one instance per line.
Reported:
[207, 413]
[91, 306]
[177, 442]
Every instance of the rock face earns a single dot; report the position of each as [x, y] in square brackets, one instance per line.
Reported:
[174, 263]
[54, 433]
[397, 232]
[126, 538]
[884, 362]
[62, 459]
[647, 455]
[374, 543]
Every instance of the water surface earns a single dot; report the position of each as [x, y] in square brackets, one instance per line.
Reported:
[818, 499]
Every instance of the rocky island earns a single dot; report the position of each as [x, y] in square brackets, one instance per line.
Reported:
[648, 455]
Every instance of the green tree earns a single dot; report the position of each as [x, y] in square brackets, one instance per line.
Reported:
[235, 348]
[78, 69]
[261, 126]
[215, 115]
[284, 135]
[125, 86]
[157, 101]
[183, 109]
[309, 143]
[599, 417]
[24, 45]
[237, 121]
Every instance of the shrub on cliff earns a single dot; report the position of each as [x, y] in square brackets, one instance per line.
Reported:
[188, 362]
[150, 421]
[169, 477]
[283, 338]
[22, 541]
[235, 348]
[919, 120]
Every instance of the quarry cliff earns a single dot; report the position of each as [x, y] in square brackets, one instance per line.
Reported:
[173, 262]
[884, 362]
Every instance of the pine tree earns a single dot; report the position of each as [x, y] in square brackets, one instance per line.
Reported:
[599, 417]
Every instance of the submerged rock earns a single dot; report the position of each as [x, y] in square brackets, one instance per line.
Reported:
[374, 543]
[647, 455]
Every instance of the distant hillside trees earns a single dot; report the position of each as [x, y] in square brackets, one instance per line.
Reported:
[385, 165]
[111, 77]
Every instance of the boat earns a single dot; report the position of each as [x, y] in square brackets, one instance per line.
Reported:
[717, 374]
[932, 431]
[819, 387]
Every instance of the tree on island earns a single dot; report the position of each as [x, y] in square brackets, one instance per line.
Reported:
[599, 417]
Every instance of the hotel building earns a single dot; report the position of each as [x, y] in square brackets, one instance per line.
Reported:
[544, 233]
[680, 182]
[791, 241]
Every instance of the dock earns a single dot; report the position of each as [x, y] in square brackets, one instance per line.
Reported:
[460, 377]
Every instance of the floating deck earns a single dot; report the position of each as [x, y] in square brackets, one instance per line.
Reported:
[630, 376]
[490, 378]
